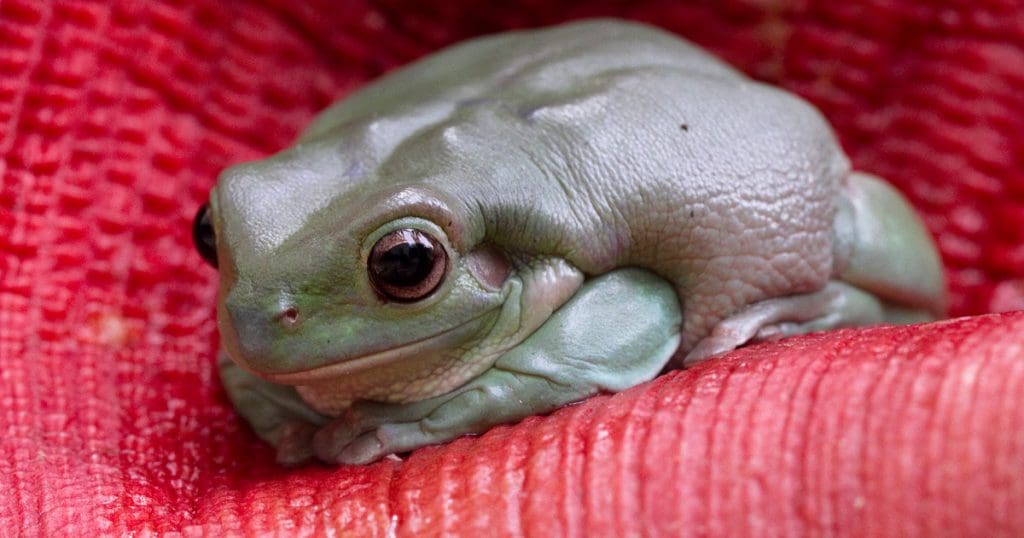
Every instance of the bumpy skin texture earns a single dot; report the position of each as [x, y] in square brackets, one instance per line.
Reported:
[547, 158]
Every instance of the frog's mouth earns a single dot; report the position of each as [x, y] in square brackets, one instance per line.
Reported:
[452, 338]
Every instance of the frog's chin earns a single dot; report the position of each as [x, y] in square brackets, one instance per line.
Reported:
[452, 338]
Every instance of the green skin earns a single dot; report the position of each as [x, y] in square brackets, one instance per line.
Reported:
[612, 200]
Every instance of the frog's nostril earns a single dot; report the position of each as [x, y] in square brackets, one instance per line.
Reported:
[288, 317]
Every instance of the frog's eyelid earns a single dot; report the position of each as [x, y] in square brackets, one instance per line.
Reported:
[415, 202]
[424, 225]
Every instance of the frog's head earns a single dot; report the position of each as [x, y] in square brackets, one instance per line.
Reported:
[324, 275]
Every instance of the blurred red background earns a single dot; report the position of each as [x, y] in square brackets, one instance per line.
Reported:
[115, 118]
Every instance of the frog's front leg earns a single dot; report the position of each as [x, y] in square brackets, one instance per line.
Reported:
[617, 331]
[276, 412]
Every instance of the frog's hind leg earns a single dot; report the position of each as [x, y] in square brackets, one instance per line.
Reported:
[888, 271]
[882, 246]
[836, 305]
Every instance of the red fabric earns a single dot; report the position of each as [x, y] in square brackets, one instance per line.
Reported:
[115, 118]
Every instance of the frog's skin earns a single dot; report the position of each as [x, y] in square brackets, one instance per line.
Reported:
[612, 200]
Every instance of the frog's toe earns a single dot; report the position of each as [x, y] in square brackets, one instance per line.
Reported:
[357, 425]
[410, 426]
[364, 449]
[295, 443]
[331, 439]
[387, 439]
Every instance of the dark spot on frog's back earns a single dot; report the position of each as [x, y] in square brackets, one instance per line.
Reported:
[684, 127]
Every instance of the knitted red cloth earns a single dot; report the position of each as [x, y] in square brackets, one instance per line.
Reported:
[115, 118]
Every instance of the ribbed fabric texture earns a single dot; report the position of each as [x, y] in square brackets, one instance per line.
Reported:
[115, 118]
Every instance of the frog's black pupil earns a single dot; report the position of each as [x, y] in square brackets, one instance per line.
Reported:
[406, 264]
[203, 236]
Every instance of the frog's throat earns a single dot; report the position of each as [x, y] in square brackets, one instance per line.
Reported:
[447, 339]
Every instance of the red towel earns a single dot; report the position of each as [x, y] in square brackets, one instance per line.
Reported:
[115, 118]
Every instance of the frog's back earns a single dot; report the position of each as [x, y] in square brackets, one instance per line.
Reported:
[552, 58]
[371, 139]
[614, 144]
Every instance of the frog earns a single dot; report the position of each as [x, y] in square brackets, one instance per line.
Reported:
[524, 220]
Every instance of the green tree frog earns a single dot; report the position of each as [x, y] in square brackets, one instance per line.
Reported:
[524, 220]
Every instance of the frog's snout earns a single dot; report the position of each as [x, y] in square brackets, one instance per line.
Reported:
[257, 328]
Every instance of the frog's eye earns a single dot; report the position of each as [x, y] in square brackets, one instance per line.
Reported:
[407, 265]
[203, 235]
